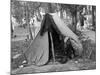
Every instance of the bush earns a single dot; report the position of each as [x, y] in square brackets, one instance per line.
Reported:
[89, 50]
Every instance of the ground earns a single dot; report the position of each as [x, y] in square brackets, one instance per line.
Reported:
[55, 67]
[86, 62]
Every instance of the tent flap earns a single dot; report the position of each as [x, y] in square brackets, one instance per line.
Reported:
[38, 51]
[66, 31]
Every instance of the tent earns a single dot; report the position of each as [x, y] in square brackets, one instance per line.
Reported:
[50, 38]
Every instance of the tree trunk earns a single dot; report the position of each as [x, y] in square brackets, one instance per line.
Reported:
[31, 37]
[27, 22]
[61, 13]
[93, 17]
[50, 10]
[74, 22]
[12, 29]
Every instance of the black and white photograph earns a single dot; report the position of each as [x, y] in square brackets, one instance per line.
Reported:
[52, 37]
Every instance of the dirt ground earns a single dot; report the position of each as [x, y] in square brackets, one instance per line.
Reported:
[72, 65]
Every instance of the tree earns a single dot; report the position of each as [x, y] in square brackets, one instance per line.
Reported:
[30, 8]
[17, 10]
[12, 29]
[27, 20]
[51, 10]
[74, 9]
[94, 17]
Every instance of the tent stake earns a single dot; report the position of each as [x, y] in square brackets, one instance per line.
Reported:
[52, 47]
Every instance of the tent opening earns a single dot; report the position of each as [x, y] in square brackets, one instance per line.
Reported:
[58, 44]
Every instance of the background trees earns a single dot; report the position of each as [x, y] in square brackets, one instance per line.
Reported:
[73, 9]
[27, 10]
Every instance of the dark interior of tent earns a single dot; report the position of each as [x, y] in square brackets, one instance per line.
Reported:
[62, 51]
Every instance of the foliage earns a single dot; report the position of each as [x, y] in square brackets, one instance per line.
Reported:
[19, 9]
[89, 51]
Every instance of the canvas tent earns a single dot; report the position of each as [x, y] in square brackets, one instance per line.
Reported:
[47, 41]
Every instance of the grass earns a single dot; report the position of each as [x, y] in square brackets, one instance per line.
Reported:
[18, 47]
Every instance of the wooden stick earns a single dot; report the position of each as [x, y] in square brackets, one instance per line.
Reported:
[52, 47]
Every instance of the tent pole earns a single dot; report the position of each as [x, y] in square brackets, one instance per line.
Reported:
[52, 47]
